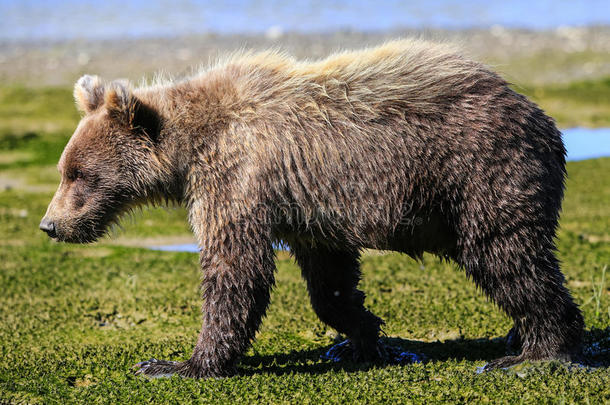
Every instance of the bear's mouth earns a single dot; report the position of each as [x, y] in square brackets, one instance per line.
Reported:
[87, 231]
[79, 238]
[91, 226]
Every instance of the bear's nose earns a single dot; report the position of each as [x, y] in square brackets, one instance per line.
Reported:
[48, 226]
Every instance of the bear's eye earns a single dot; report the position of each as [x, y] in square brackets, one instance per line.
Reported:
[76, 174]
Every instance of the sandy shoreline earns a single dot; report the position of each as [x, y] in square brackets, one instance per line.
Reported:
[522, 56]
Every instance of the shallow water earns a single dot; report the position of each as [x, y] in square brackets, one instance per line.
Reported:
[586, 143]
[43, 19]
[184, 247]
[581, 143]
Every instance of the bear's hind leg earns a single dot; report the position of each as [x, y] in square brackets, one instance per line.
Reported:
[332, 277]
[521, 274]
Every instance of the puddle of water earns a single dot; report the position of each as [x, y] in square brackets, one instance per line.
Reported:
[193, 248]
[185, 247]
[587, 143]
[581, 144]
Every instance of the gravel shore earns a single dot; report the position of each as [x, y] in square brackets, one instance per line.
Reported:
[522, 56]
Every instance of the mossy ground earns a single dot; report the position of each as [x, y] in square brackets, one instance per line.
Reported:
[74, 319]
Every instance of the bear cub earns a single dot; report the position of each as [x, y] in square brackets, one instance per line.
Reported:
[407, 147]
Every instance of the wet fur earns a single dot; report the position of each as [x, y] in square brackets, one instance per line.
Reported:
[407, 147]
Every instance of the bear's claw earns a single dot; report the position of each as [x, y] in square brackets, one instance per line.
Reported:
[154, 368]
[345, 351]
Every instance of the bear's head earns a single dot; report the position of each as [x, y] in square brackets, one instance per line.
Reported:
[110, 164]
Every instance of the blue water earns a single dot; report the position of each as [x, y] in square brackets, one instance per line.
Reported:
[581, 144]
[185, 247]
[68, 19]
[586, 143]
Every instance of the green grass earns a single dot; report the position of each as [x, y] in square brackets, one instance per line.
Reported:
[74, 319]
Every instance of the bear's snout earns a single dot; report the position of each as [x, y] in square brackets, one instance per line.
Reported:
[48, 226]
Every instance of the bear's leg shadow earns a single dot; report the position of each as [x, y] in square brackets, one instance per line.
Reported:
[238, 266]
[332, 276]
[519, 271]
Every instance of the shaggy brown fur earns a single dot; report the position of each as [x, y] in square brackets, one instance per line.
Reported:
[407, 147]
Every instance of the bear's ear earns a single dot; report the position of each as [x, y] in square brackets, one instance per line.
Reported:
[118, 99]
[89, 93]
[130, 111]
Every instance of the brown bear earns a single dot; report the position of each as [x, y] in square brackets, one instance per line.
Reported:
[407, 147]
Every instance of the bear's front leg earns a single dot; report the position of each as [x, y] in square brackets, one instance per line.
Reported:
[238, 266]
